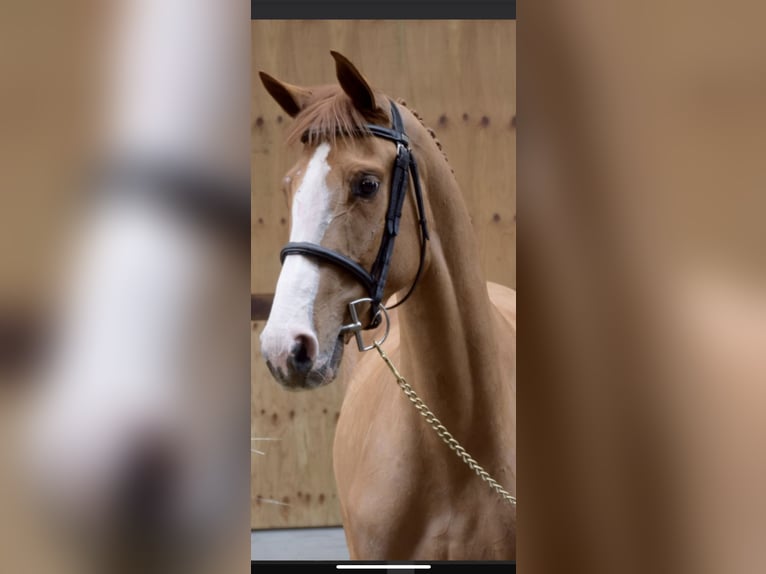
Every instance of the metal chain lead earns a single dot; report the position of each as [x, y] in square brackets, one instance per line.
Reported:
[443, 432]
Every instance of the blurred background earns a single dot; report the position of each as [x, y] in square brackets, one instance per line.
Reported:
[124, 274]
[642, 301]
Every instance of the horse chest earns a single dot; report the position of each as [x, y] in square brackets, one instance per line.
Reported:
[374, 449]
[378, 471]
[403, 494]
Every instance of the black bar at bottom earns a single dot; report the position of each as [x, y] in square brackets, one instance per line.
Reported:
[436, 567]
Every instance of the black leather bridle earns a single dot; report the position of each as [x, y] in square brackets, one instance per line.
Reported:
[374, 281]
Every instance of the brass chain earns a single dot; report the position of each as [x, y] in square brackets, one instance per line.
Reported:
[443, 432]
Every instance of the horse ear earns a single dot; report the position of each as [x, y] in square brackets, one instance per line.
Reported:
[291, 98]
[354, 84]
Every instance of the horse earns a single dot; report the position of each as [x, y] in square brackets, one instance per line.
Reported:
[403, 494]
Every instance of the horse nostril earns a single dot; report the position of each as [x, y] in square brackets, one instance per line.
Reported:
[302, 354]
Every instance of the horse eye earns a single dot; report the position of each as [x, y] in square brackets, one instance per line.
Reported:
[366, 186]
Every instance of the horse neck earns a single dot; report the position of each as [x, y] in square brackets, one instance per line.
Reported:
[448, 340]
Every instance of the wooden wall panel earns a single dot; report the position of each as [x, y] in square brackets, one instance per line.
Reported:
[292, 482]
[461, 77]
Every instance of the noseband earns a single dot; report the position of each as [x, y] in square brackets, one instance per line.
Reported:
[374, 281]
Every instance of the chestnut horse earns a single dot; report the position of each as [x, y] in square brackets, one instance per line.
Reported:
[403, 494]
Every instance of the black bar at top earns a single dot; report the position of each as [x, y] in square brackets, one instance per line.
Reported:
[383, 10]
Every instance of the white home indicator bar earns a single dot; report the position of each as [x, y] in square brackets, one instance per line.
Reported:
[383, 566]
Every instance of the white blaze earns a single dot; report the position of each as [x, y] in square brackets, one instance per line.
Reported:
[291, 311]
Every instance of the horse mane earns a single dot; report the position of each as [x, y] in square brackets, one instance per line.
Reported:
[431, 132]
[331, 113]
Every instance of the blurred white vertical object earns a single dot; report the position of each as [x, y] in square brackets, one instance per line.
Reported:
[180, 85]
[138, 438]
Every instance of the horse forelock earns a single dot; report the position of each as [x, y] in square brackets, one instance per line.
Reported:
[331, 113]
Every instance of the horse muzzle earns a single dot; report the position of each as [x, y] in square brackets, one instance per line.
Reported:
[301, 367]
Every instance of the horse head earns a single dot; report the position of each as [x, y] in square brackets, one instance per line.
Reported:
[340, 194]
